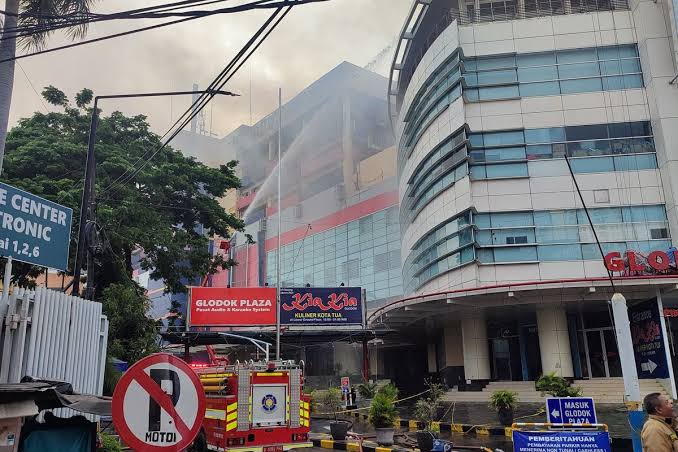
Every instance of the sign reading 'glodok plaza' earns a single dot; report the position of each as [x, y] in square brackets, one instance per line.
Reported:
[635, 263]
[241, 306]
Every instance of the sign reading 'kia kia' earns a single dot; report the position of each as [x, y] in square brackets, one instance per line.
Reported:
[241, 306]
[321, 306]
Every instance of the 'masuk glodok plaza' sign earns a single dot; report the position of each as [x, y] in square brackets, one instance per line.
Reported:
[321, 307]
[33, 229]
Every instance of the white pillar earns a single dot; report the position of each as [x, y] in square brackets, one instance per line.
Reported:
[475, 348]
[554, 341]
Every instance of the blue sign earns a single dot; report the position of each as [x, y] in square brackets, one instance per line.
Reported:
[321, 306]
[33, 229]
[648, 340]
[564, 441]
[571, 410]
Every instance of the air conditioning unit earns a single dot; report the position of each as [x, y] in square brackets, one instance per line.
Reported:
[298, 211]
[340, 192]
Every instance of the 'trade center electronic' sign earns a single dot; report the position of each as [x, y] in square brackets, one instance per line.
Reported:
[33, 229]
[321, 306]
[222, 306]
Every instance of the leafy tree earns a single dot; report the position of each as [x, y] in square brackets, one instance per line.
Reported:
[167, 208]
[132, 335]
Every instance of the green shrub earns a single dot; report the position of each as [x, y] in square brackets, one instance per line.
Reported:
[109, 443]
[383, 412]
[504, 400]
[556, 386]
[326, 402]
[367, 390]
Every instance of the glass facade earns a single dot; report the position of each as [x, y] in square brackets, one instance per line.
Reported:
[592, 148]
[553, 235]
[555, 72]
[364, 252]
[519, 75]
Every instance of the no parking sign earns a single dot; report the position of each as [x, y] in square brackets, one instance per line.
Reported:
[159, 404]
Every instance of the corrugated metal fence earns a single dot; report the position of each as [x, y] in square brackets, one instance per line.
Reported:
[52, 335]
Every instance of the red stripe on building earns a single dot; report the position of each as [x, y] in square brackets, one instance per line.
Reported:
[351, 213]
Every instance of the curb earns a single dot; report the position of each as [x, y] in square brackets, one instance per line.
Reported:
[480, 430]
[353, 446]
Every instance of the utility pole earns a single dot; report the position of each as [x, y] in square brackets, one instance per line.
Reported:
[87, 229]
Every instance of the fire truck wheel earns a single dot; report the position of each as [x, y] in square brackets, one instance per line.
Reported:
[200, 443]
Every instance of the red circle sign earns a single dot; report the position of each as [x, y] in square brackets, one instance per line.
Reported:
[159, 404]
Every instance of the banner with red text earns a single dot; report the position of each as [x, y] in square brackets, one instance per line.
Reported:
[321, 306]
[239, 306]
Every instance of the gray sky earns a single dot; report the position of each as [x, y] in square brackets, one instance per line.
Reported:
[308, 43]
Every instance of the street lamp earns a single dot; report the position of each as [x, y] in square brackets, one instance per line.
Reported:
[88, 204]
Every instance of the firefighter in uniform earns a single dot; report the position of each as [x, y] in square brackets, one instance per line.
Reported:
[659, 431]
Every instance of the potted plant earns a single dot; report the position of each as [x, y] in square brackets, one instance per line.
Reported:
[383, 414]
[426, 411]
[367, 390]
[556, 386]
[505, 403]
[329, 403]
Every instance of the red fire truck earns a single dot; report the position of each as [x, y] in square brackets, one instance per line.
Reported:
[254, 407]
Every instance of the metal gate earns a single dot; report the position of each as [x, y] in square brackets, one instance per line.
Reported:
[51, 335]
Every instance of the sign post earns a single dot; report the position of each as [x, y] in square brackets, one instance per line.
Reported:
[648, 340]
[159, 404]
[571, 410]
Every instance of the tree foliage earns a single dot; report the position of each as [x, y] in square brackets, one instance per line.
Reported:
[168, 208]
[132, 335]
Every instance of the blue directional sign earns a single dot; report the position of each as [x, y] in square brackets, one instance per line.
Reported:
[565, 441]
[648, 340]
[33, 229]
[571, 410]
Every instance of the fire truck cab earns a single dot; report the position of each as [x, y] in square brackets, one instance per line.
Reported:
[254, 407]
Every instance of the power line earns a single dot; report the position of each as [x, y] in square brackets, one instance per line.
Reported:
[33, 87]
[203, 99]
[260, 4]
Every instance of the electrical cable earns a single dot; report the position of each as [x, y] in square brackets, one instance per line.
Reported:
[217, 84]
[247, 7]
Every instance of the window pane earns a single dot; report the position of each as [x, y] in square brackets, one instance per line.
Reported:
[592, 165]
[633, 81]
[613, 67]
[612, 83]
[536, 59]
[555, 218]
[592, 252]
[563, 234]
[503, 138]
[560, 252]
[493, 155]
[507, 170]
[495, 62]
[537, 74]
[548, 135]
[497, 77]
[592, 132]
[539, 89]
[515, 254]
[541, 151]
[498, 92]
[512, 219]
[580, 86]
[548, 168]
[478, 172]
[578, 70]
[601, 216]
[578, 55]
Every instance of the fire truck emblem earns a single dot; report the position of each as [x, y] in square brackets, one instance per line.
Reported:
[269, 403]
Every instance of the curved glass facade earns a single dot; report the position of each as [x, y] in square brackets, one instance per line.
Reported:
[533, 236]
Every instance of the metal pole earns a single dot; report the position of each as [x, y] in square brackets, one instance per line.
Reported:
[277, 317]
[86, 205]
[5, 285]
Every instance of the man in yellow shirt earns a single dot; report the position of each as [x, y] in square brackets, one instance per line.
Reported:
[659, 434]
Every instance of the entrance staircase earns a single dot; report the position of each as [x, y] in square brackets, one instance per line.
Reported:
[611, 390]
[603, 391]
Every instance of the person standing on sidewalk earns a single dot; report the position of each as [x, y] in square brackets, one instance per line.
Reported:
[659, 434]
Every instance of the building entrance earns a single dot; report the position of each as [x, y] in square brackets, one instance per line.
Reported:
[598, 352]
[514, 352]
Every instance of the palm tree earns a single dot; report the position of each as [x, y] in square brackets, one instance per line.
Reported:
[37, 16]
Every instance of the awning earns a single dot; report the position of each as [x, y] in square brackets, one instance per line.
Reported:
[48, 395]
